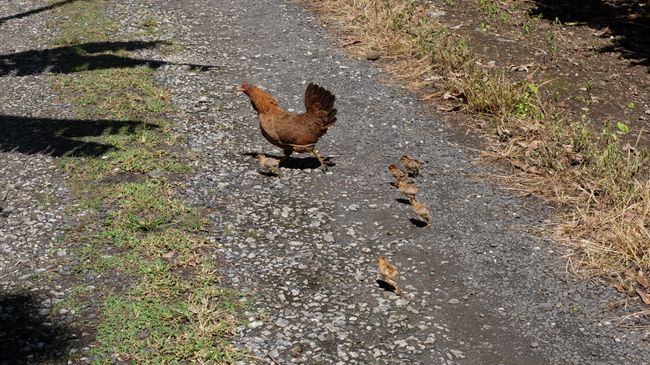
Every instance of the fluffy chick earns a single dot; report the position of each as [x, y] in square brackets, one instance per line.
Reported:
[411, 165]
[407, 189]
[397, 173]
[389, 273]
[421, 210]
[269, 163]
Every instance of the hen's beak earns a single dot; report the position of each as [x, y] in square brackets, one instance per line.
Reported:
[240, 89]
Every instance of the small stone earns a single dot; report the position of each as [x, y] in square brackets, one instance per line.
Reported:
[401, 302]
[534, 344]
[373, 55]
[155, 173]
[281, 322]
[546, 306]
[454, 301]
[295, 351]
[142, 335]
[255, 324]
[401, 343]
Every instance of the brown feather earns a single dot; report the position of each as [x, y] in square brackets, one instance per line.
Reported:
[294, 132]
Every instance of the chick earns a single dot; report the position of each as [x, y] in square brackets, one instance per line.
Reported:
[407, 189]
[389, 273]
[269, 163]
[421, 210]
[411, 165]
[397, 173]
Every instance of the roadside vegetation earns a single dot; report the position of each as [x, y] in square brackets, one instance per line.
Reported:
[158, 293]
[598, 178]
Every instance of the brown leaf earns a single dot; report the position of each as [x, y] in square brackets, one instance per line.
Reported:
[524, 167]
[620, 287]
[645, 297]
[643, 280]
[522, 68]
[351, 43]
[430, 96]
[447, 108]
[534, 144]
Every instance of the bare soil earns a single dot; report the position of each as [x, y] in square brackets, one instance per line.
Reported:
[592, 58]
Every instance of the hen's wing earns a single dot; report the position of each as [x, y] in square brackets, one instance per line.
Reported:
[306, 128]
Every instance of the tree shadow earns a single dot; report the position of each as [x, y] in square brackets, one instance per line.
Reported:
[626, 21]
[60, 137]
[36, 11]
[298, 163]
[27, 336]
[83, 57]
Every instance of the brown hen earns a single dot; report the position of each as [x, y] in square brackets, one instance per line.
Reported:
[294, 132]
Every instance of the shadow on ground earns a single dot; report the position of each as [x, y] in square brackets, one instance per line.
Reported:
[628, 21]
[83, 57]
[60, 137]
[299, 163]
[27, 336]
[36, 11]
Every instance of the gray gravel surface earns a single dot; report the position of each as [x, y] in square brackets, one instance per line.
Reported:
[34, 199]
[478, 288]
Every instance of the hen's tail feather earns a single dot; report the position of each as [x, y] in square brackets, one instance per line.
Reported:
[318, 99]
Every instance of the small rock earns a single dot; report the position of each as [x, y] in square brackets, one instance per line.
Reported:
[454, 301]
[281, 322]
[534, 344]
[295, 351]
[142, 335]
[373, 55]
[155, 173]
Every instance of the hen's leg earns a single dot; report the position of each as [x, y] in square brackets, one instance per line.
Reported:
[323, 165]
[287, 154]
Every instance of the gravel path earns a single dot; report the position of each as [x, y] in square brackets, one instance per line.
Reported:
[478, 289]
[33, 196]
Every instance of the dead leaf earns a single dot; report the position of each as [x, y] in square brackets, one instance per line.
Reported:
[524, 167]
[534, 144]
[643, 280]
[568, 148]
[430, 96]
[351, 43]
[645, 297]
[620, 287]
[169, 255]
[503, 133]
[453, 95]
[447, 108]
[521, 68]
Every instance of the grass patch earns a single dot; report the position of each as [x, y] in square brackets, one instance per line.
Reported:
[166, 305]
[601, 184]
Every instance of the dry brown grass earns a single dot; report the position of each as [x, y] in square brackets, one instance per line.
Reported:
[601, 186]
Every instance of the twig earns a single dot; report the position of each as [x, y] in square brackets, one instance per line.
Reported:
[257, 358]
[272, 359]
